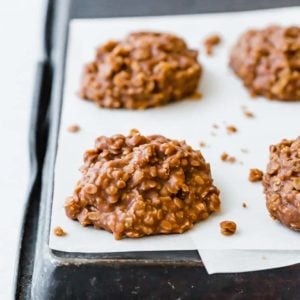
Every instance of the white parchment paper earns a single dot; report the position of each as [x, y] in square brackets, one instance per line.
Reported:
[235, 261]
[189, 120]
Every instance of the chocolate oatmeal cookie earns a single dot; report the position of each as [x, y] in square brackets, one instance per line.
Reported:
[140, 185]
[282, 183]
[268, 62]
[146, 69]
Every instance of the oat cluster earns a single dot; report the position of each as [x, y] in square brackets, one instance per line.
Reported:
[146, 69]
[210, 42]
[255, 175]
[268, 62]
[139, 185]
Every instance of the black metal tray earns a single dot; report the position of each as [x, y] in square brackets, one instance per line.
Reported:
[46, 274]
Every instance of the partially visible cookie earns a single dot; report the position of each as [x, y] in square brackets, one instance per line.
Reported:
[268, 62]
[146, 69]
[282, 183]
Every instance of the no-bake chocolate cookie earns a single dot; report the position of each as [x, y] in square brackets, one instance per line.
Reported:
[282, 183]
[268, 62]
[140, 185]
[146, 69]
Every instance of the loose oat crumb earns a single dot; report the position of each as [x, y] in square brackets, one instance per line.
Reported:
[216, 126]
[224, 156]
[255, 175]
[210, 42]
[245, 205]
[58, 231]
[243, 150]
[228, 227]
[232, 159]
[263, 257]
[281, 183]
[248, 114]
[227, 158]
[73, 128]
[231, 129]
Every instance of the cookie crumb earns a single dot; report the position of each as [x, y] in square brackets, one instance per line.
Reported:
[210, 42]
[216, 126]
[224, 156]
[133, 131]
[107, 82]
[281, 183]
[232, 159]
[58, 231]
[245, 205]
[231, 129]
[243, 150]
[73, 128]
[228, 227]
[248, 114]
[202, 144]
[227, 158]
[255, 175]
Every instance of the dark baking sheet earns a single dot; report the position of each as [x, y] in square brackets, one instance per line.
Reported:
[47, 274]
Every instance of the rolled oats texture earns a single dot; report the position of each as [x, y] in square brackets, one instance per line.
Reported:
[227, 158]
[281, 183]
[73, 128]
[139, 185]
[268, 62]
[58, 231]
[255, 175]
[144, 70]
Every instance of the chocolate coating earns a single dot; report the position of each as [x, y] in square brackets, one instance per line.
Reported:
[282, 183]
[146, 69]
[268, 62]
[143, 185]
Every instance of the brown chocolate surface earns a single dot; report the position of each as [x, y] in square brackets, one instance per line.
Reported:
[143, 185]
[268, 62]
[146, 69]
[282, 183]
